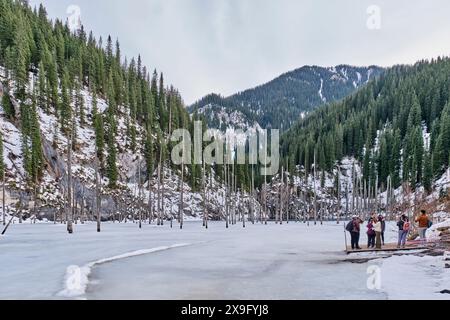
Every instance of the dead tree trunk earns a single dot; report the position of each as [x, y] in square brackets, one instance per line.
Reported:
[69, 186]
[139, 207]
[35, 200]
[252, 198]
[339, 195]
[346, 201]
[281, 197]
[242, 210]
[233, 218]
[265, 196]
[205, 210]
[227, 208]
[82, 213]
[9, 223]
[353, 189]
[150, 201]
[163, 194]
[159, 197]
[315, 191]
[4, 197]
[181, 213]
[97, 200]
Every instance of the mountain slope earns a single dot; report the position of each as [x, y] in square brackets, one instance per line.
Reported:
[71, 104]
[282, 101]
[398, 127]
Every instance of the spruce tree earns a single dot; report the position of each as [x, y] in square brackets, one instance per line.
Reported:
[112, 171]
[133, 143]
[396, 160]
[7, 105]
[51, 67]
[149, 153]
[21, 53]
[442, 143]
[98, 127]
[27, 161]
[79, 103]
[163, 117]
[37, 156]
[366, 163]
[42, 93]
[418, 154]
[65, 106]
[428, 173]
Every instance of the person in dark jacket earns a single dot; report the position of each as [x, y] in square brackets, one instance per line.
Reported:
[403, 230]
[383, 227]
[370, 235]
[356, 232]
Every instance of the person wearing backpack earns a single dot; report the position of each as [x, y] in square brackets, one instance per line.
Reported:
[370, 234]
[424, 223]
[403, 229]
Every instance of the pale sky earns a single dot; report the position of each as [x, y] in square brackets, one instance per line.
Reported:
[225, 46]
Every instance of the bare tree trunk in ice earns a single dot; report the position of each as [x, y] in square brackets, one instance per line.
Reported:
[315, 191]
[252, 198]
[281, 197]
[205, 210]
[150, 201]
[288, 191]
[69, 185]
[4, 197]
[339, 195]
[139, 207]
[233, 186]
[97, 200]
[227, 207]
[163, 194]
[159, 197]
[181, 209]
[35, 201]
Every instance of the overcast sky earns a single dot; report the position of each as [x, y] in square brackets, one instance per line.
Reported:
[225, 46]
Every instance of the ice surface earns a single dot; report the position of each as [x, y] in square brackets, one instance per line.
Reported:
[259, 262]
[77, 279]
[415, 278]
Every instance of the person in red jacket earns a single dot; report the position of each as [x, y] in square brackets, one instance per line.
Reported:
[424, 224]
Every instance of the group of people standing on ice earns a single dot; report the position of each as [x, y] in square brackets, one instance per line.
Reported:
[376, 228]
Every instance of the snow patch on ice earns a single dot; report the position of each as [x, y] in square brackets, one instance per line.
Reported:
[77, 279]
[427, 273]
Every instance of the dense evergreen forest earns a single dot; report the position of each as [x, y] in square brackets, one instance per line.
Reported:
[49, 67]
[398, 127]
[63, 64]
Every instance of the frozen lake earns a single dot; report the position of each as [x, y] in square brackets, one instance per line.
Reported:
[260, 262]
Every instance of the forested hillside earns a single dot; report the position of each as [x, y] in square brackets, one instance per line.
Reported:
[281, 102]
[398, 127]
[85, 128]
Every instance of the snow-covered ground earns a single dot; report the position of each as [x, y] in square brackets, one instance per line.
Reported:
[260, 262]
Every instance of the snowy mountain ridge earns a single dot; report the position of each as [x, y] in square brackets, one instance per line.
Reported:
[284, 100]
